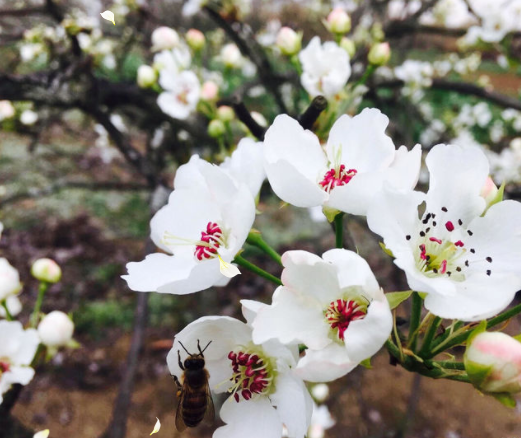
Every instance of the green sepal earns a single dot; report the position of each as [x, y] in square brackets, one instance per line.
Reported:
[505, 399]
[330, 213]
[396, 298]
[517, 338]
[481, 327]
[498, 198]
[367, 363]
[385, 249]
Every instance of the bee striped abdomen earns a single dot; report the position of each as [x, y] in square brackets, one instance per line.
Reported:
[193, 408]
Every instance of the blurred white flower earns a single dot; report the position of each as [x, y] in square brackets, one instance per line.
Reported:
[231, 56]
[46, 270]
[146, 76]
[164, 38]
[28, 117]
[321, 420]
[9, 280]
[326, 68]
[320, 392]
[181, 94]
[13, 304]
[6, 110]
[17, 350]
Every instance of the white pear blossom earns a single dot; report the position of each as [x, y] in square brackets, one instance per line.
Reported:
[466, 259]
[326, 68]
[6, 110]
[265, 392]
[28, 117]
[181, 95]
[17, 350]
[415, 73]
[231, 56]
[321, 420]
[164, 38]
[333, 305]
[208, 214]
[56, 329]
[9, 280]
[358, 160]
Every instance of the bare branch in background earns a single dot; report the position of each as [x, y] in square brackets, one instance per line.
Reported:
[244, 115]
[313, 111]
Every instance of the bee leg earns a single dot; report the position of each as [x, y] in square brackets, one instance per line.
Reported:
[179, 360]
[178, 384]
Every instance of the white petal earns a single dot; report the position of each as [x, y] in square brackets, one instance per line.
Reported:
[325, 365]
[156, 427]
[228, 269]
[250, 308]
[42, 434]
[294, 404]
[225, 333]
[16, 374]
[364, 337]
[109, 16]
[293, 317]
[352, 270]
[309, 275]
[29, 341]
[255, 418]
[364, 145]
[457, 175]
[404, 171]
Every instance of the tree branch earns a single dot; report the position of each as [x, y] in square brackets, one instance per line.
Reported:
[244, 115]
[313, 111]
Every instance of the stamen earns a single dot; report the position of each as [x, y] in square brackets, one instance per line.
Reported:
[341, 313]
[449, 225]
[434, 239]
[337, 177]
[251, 375]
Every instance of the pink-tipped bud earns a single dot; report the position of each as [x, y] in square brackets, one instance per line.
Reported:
[46, 270]
[209, 91]
[56, 329]
[195, 39]
[379, 54]
[146, 76]
[225, 113]
[231, 56]
[164, 38]
[493, 362]
[489, 190]
[338, 21]
[288, 41]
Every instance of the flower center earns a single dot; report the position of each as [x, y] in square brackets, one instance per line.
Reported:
[4, 366]
[336, 177]
[252, 374]
[340, 313]
[438, 254]
[206, 248]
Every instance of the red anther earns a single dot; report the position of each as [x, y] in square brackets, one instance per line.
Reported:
[211, 237]
[434, 239]
[333, 179]
[245, 383]
[341, 313]
[246, 394]
[236, 397]
[249, 372]
[232, 355]
[449, 225]
[423, 254]
[459, 243]
[4, 367]
[443, 267]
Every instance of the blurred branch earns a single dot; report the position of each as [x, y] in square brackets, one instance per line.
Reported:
[313, 111]
[56, 13]
[64, 185]
[22, 12]
[463, 88]
[244, 115]
[268, 77]
[397, 29]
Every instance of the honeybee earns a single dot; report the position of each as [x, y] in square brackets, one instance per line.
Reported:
[194, 398]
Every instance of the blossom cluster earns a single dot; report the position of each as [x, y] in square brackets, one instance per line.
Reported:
[463, 252]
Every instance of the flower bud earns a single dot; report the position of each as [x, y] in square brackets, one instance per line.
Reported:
[320, 392]
[28, 117]
[46, 270]
[338, 21]
[164, 38]
[348, 45]
[209, 91]
[6, 110]
[13, 305]
[259, 118]
[146, 76]
[56, 329]
[216, 128]
[493, 362]
[489, 190]
[288, 41]
[9, 280]
[231, 56]
[225, 113]
[195, 39]
[379, 54]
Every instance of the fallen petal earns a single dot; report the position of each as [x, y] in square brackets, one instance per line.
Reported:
[42, 434]
[109, 16]
[157, 426]
[227, 269]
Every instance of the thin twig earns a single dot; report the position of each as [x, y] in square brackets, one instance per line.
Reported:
[312, 112]
[244, 115]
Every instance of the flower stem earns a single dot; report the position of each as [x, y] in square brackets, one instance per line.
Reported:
[36, 312]
[429, 336]
[254, 268]
[255, 239]
[415, 320]
[462, 337]
[339, 230]
[8, 315]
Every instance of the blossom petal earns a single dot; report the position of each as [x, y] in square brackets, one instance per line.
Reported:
[255, 418]
[457, 175]
[361, 141]
[225, 333]
[325, 365]
[404, 171]
[364, 337]
[309, 275]
[294, 404]
[292, 318]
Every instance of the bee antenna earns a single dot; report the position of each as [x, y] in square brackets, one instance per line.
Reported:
[184, 348]
[204, 349]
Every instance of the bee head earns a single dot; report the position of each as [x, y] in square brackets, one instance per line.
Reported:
[195, 362]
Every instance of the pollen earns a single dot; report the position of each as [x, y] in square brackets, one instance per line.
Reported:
[341, 313]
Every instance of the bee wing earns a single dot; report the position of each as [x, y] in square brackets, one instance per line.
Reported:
[179, 422]
[210, 410]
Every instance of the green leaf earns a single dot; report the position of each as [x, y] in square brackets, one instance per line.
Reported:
[367, 363]
[396, 298]
[506, 399]
[385, 249]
